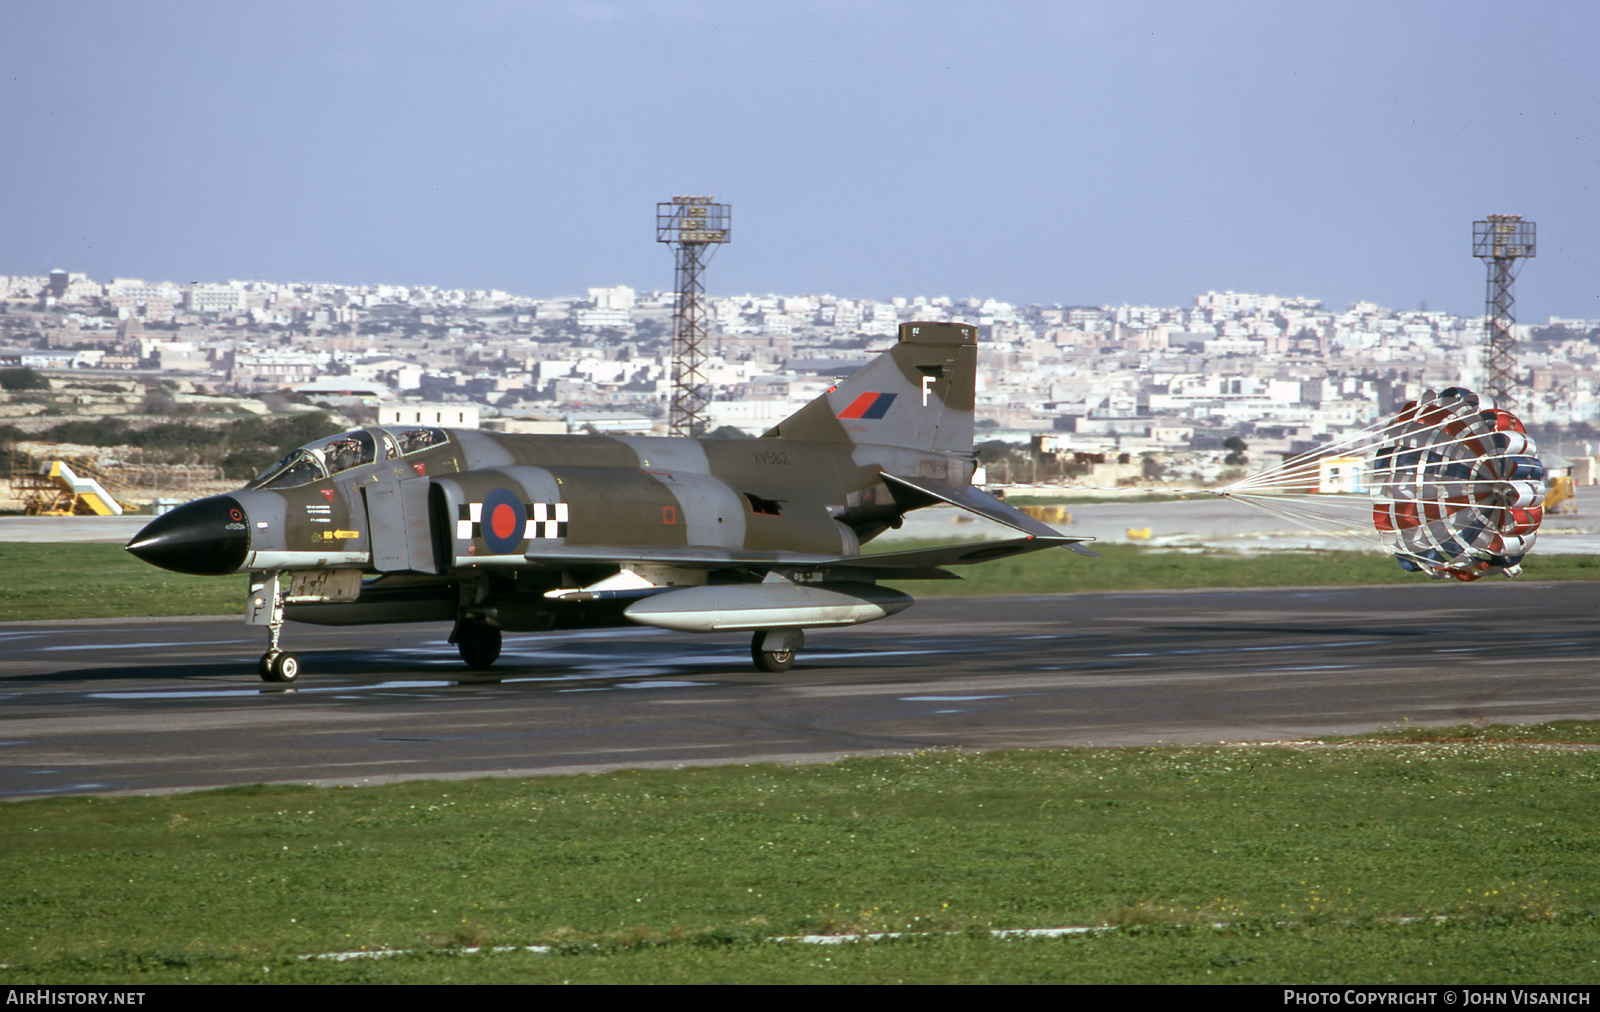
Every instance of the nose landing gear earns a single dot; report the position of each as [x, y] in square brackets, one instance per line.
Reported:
[265, 607]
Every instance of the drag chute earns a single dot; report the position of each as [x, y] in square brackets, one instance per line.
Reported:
[1451, 487]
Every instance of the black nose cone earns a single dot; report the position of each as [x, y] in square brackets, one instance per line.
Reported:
[207, 537]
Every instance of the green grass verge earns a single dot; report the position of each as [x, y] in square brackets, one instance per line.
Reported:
[1133, 567]
[1121, 498]
[1430, 861]
[60, 581]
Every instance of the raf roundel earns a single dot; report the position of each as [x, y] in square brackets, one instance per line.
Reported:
[504, 522]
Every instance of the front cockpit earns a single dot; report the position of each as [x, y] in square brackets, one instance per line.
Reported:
[221, 534]
[332, 455]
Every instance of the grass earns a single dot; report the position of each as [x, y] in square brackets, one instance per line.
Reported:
[57, 581]
[1466, 858]
[1133, 567]
[1121, 496]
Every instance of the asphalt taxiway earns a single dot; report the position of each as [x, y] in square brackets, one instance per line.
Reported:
[160, 704]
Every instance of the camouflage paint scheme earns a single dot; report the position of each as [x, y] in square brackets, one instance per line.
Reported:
[511, 531]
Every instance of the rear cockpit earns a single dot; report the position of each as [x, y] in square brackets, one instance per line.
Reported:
[347, 451]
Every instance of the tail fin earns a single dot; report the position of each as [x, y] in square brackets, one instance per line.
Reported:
[918, 394]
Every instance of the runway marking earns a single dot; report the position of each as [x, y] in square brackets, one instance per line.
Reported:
[954, 699]
[138, 646]
[1313, 667]
[207, 693]
[681, 748]
[879, 936]
[59, 790]
[613, 671]
[1192, 651]
[675, 702]
[659, 684]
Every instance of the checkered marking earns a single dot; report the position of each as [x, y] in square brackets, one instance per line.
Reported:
[540, 520]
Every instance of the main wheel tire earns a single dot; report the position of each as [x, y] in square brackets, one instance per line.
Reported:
[775, 661]
[478, 644]
[285, 668]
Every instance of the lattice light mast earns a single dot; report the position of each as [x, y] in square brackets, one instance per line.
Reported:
[1501, 241]
[689, 225]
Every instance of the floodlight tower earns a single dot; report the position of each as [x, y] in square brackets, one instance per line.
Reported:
[1501, 241]
[689, 225]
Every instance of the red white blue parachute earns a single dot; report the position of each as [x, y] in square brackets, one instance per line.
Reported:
[1451, 487]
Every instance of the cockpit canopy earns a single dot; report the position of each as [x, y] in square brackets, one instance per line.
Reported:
[348, 450]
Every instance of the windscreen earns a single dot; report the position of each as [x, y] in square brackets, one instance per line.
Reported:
[317, 460]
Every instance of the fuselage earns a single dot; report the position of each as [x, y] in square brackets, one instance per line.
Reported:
[517, 532]
[435, 501]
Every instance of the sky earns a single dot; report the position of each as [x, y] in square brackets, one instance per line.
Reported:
[1073, 153]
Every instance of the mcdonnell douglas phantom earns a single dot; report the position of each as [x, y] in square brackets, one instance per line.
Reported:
[498, 531]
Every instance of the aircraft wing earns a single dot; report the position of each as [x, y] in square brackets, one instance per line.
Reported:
[970, 498]
[916, 564]
[694, 556]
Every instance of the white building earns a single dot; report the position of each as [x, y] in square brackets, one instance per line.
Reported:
[614, 297]
[215, 299]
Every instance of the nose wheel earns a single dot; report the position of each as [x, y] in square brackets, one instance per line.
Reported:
[278, 667]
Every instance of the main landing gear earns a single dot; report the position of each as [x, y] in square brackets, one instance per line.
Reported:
[774, 649]
[477, 642]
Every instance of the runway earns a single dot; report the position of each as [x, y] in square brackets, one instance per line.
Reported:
[150, 705]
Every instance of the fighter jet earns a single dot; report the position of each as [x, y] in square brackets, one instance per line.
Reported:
[514, 532]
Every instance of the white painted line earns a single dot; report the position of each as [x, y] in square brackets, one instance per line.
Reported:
[661, 683]
[342, 957]
[138, 646]
[205, 693]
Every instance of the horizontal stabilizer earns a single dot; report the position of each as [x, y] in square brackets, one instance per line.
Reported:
[977, 501]
[963, 554]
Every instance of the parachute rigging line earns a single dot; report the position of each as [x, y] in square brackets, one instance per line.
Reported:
[1451, 487]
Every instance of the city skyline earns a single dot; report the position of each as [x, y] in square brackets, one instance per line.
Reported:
[177, 292]
[1032, 153]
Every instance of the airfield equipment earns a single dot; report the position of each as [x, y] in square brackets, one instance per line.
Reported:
[1501, 241]
[55, 488]
[690, 225]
